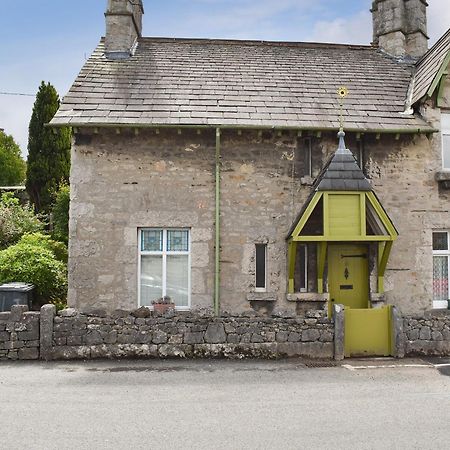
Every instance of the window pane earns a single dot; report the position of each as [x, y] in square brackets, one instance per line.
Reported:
[440, 278]
[440, 241]
[151, 279]
[151, 240]
[261, 266]
[177, 240]
[446, 151]
[303, 268]
[178, 279]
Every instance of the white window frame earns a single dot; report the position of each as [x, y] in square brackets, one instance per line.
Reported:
[445, 131]
[262, 289]
[164, 254]
[442, 304]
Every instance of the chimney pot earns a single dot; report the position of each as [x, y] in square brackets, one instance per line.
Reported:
[400, 27]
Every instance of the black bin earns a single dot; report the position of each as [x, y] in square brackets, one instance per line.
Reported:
[15, 294]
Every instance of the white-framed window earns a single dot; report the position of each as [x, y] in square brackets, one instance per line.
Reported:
[260, 267]
[441, 259]
[165, 266]
[445, 132]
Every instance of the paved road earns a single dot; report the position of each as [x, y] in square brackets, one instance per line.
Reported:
[223, 405]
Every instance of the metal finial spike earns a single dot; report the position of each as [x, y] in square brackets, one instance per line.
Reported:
[341, 136]
[342, 93]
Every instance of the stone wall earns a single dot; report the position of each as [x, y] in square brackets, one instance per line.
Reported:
[19, 334]
[165, 178]
[427, 334]
[139, 333]
[71, 334]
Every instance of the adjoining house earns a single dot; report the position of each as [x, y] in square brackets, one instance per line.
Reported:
[209, 171]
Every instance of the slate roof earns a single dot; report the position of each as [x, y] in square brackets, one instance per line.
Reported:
[429, 65]
[342, 172]
[241, 83]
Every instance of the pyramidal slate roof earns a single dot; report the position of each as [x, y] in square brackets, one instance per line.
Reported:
[202, 82]
[342, 172]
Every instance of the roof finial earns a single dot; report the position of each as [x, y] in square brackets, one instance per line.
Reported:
[342, 93]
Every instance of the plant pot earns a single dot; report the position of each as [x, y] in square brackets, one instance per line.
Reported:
[162, 308]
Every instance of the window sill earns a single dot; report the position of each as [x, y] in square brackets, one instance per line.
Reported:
[262, 297]
[308, 297]
[443, 178]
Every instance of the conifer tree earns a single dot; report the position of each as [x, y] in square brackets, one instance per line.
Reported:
[48, 161]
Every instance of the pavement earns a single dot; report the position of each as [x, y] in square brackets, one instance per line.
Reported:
[216, 404]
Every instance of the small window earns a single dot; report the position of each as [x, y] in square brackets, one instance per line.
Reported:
[308, 157]
[359, 154]
[303, 265]
[441, 257]
[164, 259]
[445, 130]
[261, 267]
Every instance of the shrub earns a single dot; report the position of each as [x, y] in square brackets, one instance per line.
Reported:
[60, 213]
[16, 220]
[58, 249]
[33, 260]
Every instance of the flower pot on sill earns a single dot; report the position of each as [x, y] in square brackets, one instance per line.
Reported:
[162, 308]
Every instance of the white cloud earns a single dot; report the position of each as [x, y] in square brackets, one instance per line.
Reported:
[438, 19]
[15, 115]
[356, 29]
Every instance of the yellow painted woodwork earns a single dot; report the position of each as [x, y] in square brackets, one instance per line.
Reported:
[382, 215]
[348, 275]
[368, 332]
[344, 215]
[344, 218]
[292, 253]
[308, 211]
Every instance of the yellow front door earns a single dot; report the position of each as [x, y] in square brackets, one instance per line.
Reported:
[348, 275]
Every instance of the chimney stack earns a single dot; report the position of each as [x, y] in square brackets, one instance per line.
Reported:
[400, 27]
[123, 27]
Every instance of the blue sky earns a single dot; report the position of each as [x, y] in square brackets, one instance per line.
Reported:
[50, 39]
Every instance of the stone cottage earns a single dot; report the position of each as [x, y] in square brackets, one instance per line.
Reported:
[208, 170]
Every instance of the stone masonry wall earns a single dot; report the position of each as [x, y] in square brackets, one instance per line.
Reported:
[140, 333]
[427, 334]
[19, 334]
[121, 182]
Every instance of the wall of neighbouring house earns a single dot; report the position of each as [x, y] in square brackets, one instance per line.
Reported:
[121, 182]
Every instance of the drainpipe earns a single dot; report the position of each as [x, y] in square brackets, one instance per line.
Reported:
[217, 242]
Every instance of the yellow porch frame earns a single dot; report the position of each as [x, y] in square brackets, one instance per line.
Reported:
[344, 220]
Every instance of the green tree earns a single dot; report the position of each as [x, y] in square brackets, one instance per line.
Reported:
[16, 220]
[12, 165]
[60, 213]
[48, 161]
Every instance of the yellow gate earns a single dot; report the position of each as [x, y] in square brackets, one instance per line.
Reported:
[368, 332]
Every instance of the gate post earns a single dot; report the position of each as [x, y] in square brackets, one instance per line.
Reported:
[398, 337]
[46, 331]
[338, 316]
